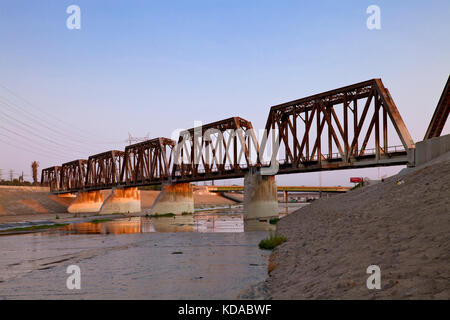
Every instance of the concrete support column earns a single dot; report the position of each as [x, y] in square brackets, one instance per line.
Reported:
[430, 149]
[285, 196]
[89, 201]
[124, 200]
[174, 198]
[67, 195]
[260, 196]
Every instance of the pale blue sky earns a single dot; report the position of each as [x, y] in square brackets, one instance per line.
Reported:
[154, 66]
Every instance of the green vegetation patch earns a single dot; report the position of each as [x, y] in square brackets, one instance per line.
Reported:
[185, 213]
[274, 220]
[40, 227]
[161, 215]
[15, 182]
[272, 241]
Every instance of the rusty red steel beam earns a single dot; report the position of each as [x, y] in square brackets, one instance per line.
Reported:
[50, 177]
[103, 169]
[147, 162]
[73, 175]
[440, 114]
[224, 149]
[315, 119]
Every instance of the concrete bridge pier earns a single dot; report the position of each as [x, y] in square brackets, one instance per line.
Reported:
[86, 201]
[67, 195]
[174, 198]
[260, 196]
[123, 200]
[285, 196]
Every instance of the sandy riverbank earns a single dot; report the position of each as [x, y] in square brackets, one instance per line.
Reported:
[403, 228]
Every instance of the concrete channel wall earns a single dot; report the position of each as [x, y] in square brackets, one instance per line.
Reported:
[432, 148]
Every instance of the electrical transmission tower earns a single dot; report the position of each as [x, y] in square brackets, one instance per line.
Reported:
[132, 139]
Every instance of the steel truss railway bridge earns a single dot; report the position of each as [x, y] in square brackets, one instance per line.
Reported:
[345, 128]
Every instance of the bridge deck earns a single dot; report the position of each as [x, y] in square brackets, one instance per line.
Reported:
[368, 161]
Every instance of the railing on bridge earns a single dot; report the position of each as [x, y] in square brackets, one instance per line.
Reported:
[337, 156]
[339, 129]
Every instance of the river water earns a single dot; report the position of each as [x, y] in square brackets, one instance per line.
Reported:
[212, 254]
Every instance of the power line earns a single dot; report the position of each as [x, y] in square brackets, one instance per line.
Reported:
[35, 119]
[24, 127]
[33, 146]
[68, 145]
[35, 107]
[30, 125]
[37, 135]
[68, 125]
[28, 150]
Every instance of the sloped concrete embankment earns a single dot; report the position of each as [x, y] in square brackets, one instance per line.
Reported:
[30, 200]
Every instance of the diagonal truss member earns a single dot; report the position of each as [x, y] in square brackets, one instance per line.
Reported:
[440, 114]
[312, 135]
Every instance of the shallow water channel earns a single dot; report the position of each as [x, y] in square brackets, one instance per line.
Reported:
[212, 254]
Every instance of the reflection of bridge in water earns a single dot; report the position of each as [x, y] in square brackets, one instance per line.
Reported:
[356, 126]
[211, 222]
